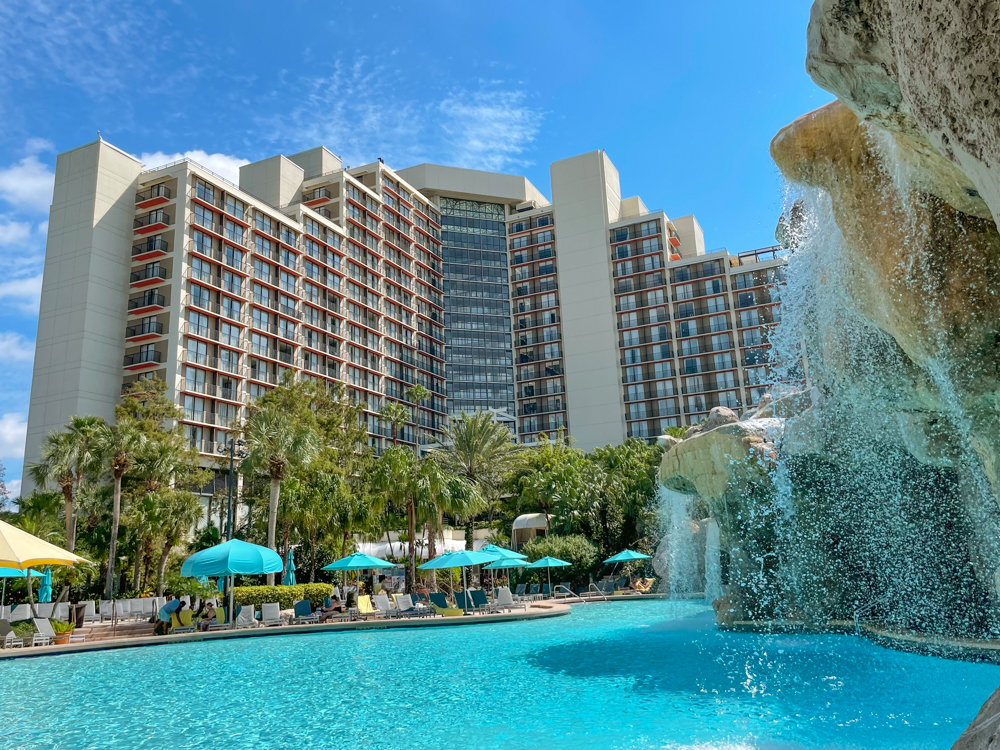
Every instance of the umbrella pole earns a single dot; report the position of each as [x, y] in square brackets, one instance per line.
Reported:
[549, 571]
[31, 600]
[4, 594]
[465, 591]
[232, 612]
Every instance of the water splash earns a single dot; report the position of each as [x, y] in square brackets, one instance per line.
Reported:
[682, 549]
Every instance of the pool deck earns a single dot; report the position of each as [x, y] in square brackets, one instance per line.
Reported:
[536, 611]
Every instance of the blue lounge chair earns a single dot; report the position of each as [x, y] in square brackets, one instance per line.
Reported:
[464, 601]
[303, 612]
[545, 591]
[533, 592]
[479, 602]
[440, 599]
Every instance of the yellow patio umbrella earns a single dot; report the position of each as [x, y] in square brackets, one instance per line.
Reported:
[23, 551]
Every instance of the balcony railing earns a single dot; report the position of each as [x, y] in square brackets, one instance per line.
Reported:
[641, 320]
[144, 329]
[156, 191]
[318, 194]
[628, 287]
[686, 310]
[147, 300]
[143, 357]
[521, 256]
[146, 274]
[691, 273]
[717, 286]
[153, 217]
[709, 388]
[703, 405]
[152, 245]
[528, 410]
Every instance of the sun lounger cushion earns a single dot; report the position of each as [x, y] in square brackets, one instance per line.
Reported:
[448, 612]
[479, 599]
[302, 608]
[439, 600]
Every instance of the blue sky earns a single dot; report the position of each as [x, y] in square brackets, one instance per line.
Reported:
[684, 97]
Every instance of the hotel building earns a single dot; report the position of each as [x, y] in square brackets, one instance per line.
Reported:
[588, 313]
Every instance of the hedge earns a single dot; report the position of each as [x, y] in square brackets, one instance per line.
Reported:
[574, 549]
[283, 595]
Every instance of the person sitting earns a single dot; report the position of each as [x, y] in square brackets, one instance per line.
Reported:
[163, 616]
[327, 613]
[208, 616]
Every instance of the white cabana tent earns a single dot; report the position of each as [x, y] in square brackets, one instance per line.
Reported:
[526, 528]
[385, 550]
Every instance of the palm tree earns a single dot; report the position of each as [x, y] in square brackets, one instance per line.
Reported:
[440, 493]
[67, 459]
[179, 511]
[275, 441]
[416, 394]
[396, 415]
[480, 450]
[118, 445]
[397, 477]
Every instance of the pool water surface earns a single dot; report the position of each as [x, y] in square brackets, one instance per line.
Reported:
[623, 675]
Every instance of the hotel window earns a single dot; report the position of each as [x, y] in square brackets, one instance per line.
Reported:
[755, 376]
[620, 235]
[232, 283]
[204, 217]
[657, 315]
[695, 384]
[205, 192]
[202, 242]
[752, 337]
[628, 320]
[655, 297]
[517, 226]
[746, 299]
[749, 318]
[685, 309]
[718, 323]
[231, 308]
[756, 393]
[649, 246]
[636, 392]
[695, 403]
[550, 334]
[716, 304]
[720, 342]
[690, 346]
[545, 236]
[659, 333]
[633, 374]
[230, 334]
[691, 366]
[200, 296]
[637, 411]
[684, 291]
[648, 227]
[725, 380]
[632, 356]
[624, 268]
[551, 351]
[544, 221]
[729, 399]
[627, 303]
[722, 361]
[713, 286]
[623, 251]
[548, 300]
[665, 388]
[234, 257]
[662, 370]
[630, 338]
[234, 232]
[194, 379]
[263, 223]
[519, 242]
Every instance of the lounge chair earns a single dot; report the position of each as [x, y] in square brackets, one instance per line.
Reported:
[519, 592]
[506, 601]
[270, 614]
[10, 639]
[181, 623]
[61, 611]
[644, 585]
[534, 593]
[20, 612]
[44, 609]
[247, 617]
[44, 628]
[405, 606]
[421, 598]
[464, 601]
[481, 603]
[440, 603]
[89, 612]
[384, 605]
[546, 592]
[303, 612]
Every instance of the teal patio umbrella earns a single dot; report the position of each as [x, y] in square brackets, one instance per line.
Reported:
[506, 563]
[358, 562]
[461, 559]
[6, 573]
[289, 578]
[229, 559]
[626, 555]
[549, 563]
[503, 553]
[45, 587]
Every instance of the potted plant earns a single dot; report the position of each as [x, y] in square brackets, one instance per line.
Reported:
[62, 630]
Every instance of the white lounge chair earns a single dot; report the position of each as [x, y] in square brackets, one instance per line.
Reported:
[104, 609]
[384, 606]
[270, 614]
[89, 612]
[44, 628]
[61, 611]
[246, 618]
[44, 609]
[505, 600]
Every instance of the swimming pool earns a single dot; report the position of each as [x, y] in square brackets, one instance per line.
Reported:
[620, 675]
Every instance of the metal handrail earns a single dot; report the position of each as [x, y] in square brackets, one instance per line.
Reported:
[596, 588]
[569, 592]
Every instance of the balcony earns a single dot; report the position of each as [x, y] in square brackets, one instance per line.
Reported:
[522, 256]
[538, 321]
[226, 421]
[654, 356]
[709, 388]
[147, 303]
[152, 248]
[646, 373]
[207, 389]
[707, 404]
[698, 365]
[687, 310]
[529, 391]
[144, 331]
[634, 251]
[152, 196]
[690, 330]
[525, 290]
[192, 357]
[629, 286]
[651, 300]
[646, 337]
[648, 266]
[317, 197]
[642, 320]
[147, 277]
[143, 360]
[154, 221]
[707, 289]
[692, 273]
[528, 410]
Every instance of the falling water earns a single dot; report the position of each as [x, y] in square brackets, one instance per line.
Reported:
[713, 570]
[682, 551]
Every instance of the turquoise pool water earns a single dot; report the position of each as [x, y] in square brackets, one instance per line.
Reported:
[620, 675]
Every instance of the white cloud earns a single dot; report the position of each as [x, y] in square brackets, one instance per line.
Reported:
[13, 232]
[38, 146]
[14, 488]
[24, 294]
[27, 184]
[489, 129]
[13, 429]
[223, 164]
[15, 348]
[363, 110]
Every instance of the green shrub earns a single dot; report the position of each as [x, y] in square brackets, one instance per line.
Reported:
[574, 549]
[283, 595]
[23, 629]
